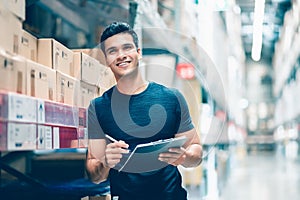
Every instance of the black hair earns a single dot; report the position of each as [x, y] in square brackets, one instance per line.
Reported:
[116, 28]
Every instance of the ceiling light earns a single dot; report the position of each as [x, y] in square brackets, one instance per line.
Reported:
[259, 8]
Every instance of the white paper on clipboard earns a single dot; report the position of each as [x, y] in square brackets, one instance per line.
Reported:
[144, 157]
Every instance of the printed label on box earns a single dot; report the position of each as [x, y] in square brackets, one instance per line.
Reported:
[21, 136]
[22, 108]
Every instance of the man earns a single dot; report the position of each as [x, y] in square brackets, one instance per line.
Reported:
[135, 111]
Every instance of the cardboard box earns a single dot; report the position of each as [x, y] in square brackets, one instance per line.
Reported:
[17, 108]
[17, 7]
[67, 88]
[82, 135]
[87, 92]
[95, 53]
[10, 33]
[76, 71]
[82, 132]
[82, 116]
[100, 91]
[44, 137]
[28, 46]
[106, 78]
[54, 113]
[86, 68]
[21, 136]
[13, 72]
[41, 81]
[65, 137]
[55, 55]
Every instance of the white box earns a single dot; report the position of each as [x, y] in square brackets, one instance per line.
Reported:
[44, 139]
[55, 55]
[13, 73]
[22, 108]
[56, 141]
[41, 81]
[17, 108]
[21, 136]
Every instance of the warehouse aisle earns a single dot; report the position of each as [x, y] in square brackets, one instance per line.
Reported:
[263, 175]
[260, 175]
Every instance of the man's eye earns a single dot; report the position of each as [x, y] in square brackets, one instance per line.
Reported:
[112, 51]
[127, 48]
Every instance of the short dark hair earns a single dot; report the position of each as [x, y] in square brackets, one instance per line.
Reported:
[116, 28]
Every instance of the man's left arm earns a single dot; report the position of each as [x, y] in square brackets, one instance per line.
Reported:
[192, 148]
[190, 155]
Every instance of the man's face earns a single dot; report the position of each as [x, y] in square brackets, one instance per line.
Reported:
[122, 56]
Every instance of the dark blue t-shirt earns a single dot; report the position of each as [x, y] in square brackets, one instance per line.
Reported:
[156, 113]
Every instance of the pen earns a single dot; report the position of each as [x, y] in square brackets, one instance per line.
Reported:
[110, 138]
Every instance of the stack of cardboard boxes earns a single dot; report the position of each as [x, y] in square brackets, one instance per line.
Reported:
[45, 87]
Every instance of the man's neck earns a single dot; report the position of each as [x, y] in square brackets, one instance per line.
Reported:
[132, 86]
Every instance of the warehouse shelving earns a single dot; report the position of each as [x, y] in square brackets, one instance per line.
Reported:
[85, 22]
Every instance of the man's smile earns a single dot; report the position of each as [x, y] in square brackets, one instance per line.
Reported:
[123, 63]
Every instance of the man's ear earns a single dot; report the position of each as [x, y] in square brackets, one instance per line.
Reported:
[140, 53]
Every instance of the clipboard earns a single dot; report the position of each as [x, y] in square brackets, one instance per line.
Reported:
[144, 157]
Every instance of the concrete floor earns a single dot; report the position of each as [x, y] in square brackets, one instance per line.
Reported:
[259, 176]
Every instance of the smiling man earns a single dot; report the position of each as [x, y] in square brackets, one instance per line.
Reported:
[136, 111]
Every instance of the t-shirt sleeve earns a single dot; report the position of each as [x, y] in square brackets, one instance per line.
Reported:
[93, 126]
[185, 121]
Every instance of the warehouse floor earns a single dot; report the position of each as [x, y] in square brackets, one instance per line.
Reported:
[259, 175]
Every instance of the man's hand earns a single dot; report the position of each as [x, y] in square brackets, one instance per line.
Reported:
[114, 151]
[175, 156]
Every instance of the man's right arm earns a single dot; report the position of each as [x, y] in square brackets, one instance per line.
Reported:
[96, 167]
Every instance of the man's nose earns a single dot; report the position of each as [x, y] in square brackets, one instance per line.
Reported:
[121, 53]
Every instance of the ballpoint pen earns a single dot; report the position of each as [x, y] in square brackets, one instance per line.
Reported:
[111, 138]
